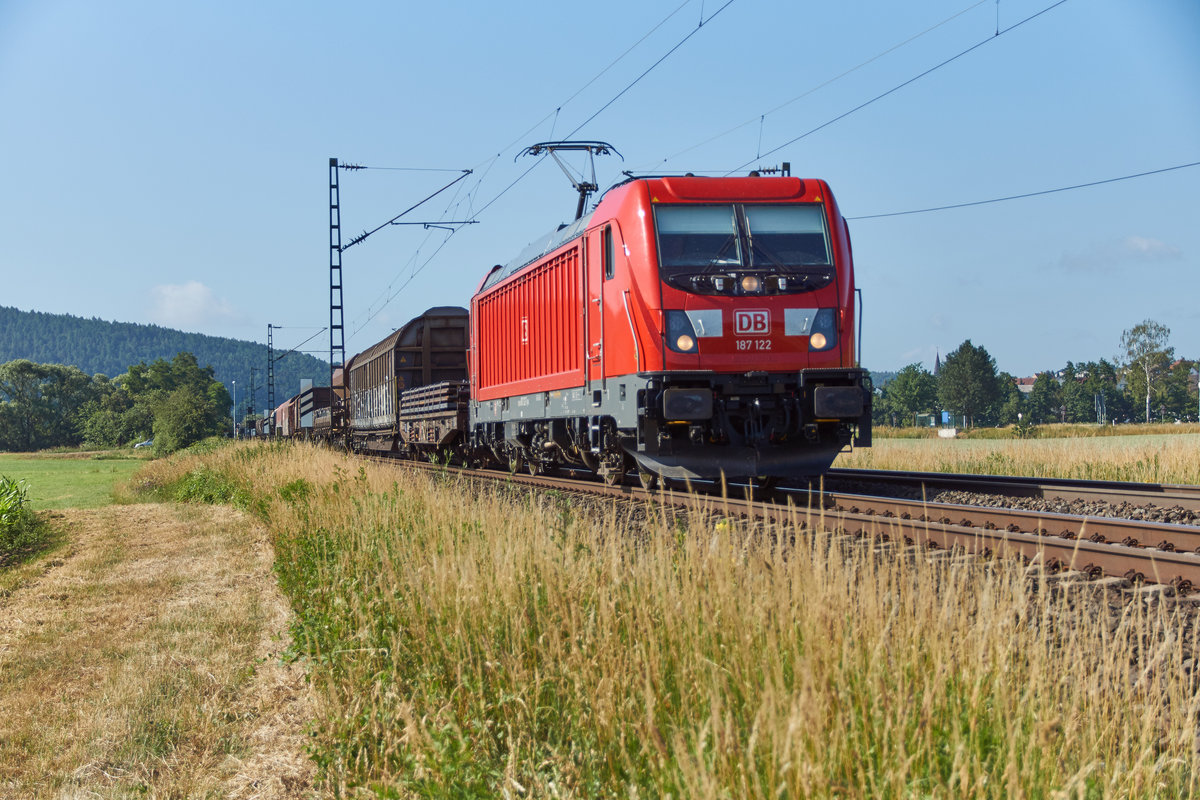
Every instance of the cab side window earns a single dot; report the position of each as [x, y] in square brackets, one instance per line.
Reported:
[606, 248]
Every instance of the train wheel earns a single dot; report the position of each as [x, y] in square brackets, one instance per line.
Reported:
[533, 467]
[516, 461]
[648, 479]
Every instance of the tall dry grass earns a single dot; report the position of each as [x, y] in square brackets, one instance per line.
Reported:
[474, 642]
[1155, 458]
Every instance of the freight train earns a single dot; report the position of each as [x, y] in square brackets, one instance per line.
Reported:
[688, 328]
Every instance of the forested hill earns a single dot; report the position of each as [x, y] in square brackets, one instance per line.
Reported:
[95, 345]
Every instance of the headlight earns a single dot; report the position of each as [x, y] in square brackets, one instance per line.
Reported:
[681, 337]
[823, 334]
[751, 284]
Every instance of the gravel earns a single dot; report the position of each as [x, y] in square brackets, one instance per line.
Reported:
[1083, 508]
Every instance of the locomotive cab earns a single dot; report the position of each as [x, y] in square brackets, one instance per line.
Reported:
[695, 327]
[757, 317]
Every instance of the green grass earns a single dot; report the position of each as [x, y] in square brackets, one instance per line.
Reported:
[469, 642]
[60, 481]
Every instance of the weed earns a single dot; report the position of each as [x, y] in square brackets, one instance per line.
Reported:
[473, 643]
[22, 533]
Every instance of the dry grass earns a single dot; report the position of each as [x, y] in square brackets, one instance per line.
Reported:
[1153, 458]
[470, 643]
[140, 662]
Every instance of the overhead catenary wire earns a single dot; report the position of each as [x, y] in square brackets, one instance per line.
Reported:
[363, 236]
[900, 86]
[558, 109]
[699, 26]
[490, 162]
[554, 114]
[297, 347]
[453, 203]
[387, 295]
[616, 97]
[353, 167]
[1026, 194]
[762, 117]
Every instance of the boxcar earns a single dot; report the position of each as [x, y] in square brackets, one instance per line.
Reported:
[429, 349]
[323, 428]
[286, 422]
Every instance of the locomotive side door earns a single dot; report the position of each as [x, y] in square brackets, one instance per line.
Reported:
[594, 260]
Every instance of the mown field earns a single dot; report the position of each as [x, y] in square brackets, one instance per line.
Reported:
[481, 642]
[70, 480]
[141, 647]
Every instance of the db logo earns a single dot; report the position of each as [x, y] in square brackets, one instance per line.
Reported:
[755, 322]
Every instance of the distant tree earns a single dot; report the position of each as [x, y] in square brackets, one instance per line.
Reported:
[20, 392]
[1176, 394]
[1101, 389]
[113, 419]
[1045, 399]
[39, 404]
[1010, 403]
[1076, 399]
[182, 417]
[186, 402]
[178, 402]
[913, 391]
[968, 384]
[100, 427]
[1147, 359]
[95, 345]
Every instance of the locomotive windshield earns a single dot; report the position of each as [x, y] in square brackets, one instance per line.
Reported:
[696, 242]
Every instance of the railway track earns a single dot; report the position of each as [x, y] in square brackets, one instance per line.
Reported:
[1152, 557]
[1112, 492]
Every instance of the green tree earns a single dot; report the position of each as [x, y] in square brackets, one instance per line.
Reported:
[40, 404]
[1045, 399]
[1176, 394]
[1147, 359]
[968, 384]
[182, 417]
[1101, 379]
[1010, 403]
[186, 402]
[177, 401]
[1076, 398]
[112, 419]
[913, 391]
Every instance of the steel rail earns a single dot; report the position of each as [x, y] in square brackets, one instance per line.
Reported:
[1159, 494]
[1082, 544]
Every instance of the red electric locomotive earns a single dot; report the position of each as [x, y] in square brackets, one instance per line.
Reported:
[691, 327]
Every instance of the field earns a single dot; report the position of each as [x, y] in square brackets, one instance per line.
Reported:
[70, 480]
[1161, 457]
[468, 642]
[142, 648]
[447, 640]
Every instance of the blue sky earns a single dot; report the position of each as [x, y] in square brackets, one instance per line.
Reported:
[167, 162]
